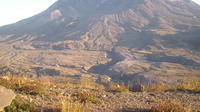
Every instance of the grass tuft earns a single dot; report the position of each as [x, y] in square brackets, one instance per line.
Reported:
[69, 106]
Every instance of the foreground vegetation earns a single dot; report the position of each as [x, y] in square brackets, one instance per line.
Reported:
[169, 106]
[77, 97]
[20, 105]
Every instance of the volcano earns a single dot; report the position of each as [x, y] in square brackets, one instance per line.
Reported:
[104, 24]
[130, 40]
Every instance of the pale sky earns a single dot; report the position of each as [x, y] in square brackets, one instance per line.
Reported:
[12, 11]
[197, 1]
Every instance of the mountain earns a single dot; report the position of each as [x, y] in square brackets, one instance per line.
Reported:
[141, 41]
[100, 24]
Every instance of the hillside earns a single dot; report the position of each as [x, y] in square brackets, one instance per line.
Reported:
[103, 56]
[135, 42]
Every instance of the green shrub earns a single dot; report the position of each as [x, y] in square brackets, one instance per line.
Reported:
[20, 105]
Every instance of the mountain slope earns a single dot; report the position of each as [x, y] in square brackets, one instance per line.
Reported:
[151, 38]
[96, 24]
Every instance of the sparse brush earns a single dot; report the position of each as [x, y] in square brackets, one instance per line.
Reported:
[155, 87]
[117, 88]
[20, 105]
[31, 88]
[23, 85]
[69, 106]
[189, 85]
[78, 102]
[87, 83]
[183, 85]
[167, 106]
[88, 97]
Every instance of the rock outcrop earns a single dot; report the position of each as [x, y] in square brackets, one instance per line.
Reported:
[6, 97]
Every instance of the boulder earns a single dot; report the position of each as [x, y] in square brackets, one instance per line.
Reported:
[6, 97]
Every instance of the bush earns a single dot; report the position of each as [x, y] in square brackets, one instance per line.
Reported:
[78, 102]
[22, 85]
[117, 88]
[168, 106]
[20, 105]
[87, 97]
[31, 88]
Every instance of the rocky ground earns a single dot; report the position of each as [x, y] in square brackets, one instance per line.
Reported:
[56, 97]
[142, 102]
[118, 101]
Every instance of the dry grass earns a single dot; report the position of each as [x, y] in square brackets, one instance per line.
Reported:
[117, 88]
[79, 101]
[84, 83]
[152, 88]
[87, 97]
[73, 105]
[87, 83]
[167, 106]
[34, 87]
[76, 103]
[192, 85]
[182, 85]
[68, 106]
[22, 85]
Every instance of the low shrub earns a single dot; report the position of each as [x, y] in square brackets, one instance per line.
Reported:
[20, 105]
[87, 97]
[167, 106]
[117, 88]
[21, 85]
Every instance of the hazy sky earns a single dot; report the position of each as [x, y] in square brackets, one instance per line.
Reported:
[14, 10]
[198, 1]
